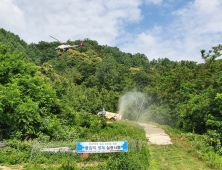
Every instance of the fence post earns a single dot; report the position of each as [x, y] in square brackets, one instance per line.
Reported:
[126, 135]
[34, 146]
[139, 144]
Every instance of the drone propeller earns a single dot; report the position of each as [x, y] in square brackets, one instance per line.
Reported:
[56, 39]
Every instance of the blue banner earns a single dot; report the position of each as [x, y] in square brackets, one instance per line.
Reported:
[102, 147]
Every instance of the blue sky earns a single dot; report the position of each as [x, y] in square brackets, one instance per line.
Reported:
[155, 14]
[175, 29]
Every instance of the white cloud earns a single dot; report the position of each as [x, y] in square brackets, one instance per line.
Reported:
[99, 20]
[155, 2]
[10, 15]
[196, 26]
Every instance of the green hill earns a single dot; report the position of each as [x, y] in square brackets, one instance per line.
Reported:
[45, 93]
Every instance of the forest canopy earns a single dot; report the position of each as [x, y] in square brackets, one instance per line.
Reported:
[41, 90]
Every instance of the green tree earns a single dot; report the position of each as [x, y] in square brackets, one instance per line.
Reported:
[106, 73]
[25, 99]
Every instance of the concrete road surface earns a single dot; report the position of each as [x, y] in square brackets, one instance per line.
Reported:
[156, 135]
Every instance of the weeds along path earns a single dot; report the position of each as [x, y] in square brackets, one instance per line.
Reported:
[166, 155]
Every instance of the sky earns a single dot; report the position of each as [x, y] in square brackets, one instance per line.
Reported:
[173, 29]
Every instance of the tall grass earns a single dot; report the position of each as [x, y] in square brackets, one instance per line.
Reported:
[196, 145]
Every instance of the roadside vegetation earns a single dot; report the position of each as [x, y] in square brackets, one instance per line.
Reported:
[189, 150]
[27, 153]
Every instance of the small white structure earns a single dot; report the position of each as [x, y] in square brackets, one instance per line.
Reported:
[61, 149]
[2, 145]
[110, 115]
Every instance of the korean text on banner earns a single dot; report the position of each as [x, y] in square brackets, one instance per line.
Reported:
[102, 147]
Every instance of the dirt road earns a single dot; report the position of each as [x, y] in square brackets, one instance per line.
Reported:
[156, 135]
[12, 167]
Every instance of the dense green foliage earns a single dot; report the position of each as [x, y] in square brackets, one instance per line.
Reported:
[37, 98]
[43, 92]
[25, 99]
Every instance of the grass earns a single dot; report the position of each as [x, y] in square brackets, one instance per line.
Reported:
[18, 152]
[188, 151]
[174, 157]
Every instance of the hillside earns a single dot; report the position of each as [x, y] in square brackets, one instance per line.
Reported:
[45, 94]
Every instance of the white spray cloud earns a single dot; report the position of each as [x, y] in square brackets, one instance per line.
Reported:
[131, 105]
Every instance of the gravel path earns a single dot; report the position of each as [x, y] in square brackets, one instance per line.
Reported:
[156, 135]
[13, 168]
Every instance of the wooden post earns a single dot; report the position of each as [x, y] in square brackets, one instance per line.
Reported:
[83, 155]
